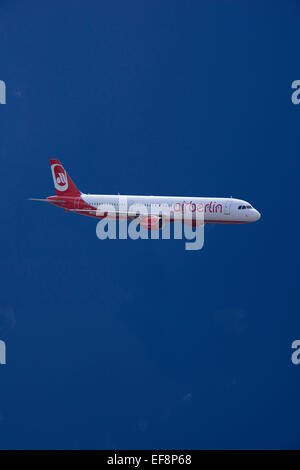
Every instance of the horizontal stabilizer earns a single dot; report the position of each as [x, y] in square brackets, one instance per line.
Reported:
[46, 200]
[36, 199]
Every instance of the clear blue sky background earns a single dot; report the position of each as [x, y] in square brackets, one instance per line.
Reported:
[141, 344]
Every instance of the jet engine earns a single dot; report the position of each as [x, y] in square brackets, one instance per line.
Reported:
[152, 223]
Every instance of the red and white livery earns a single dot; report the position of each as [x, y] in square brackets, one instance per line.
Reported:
[157, 209]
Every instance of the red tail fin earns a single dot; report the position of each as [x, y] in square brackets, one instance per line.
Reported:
[62, 181]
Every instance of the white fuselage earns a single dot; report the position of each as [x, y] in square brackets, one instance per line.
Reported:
[149, 211]
[212, 209]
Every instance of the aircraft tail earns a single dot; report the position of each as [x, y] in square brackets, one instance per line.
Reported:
[62, 181]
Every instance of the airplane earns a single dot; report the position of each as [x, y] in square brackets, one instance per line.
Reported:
[154, 211]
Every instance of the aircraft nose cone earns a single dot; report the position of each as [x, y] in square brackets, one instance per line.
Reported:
[258, 215]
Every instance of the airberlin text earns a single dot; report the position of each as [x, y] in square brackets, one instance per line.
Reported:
[191, 206]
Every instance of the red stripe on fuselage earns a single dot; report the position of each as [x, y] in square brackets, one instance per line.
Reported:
[73, 203]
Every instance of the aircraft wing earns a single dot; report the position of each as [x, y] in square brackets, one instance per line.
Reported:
[129, 215]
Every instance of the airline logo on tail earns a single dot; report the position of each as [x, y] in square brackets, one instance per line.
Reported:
[60, 177]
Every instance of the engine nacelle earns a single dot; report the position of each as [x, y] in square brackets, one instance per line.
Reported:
[152, 223]
[193, 222]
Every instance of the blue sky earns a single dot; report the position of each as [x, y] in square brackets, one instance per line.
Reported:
[141, 344]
